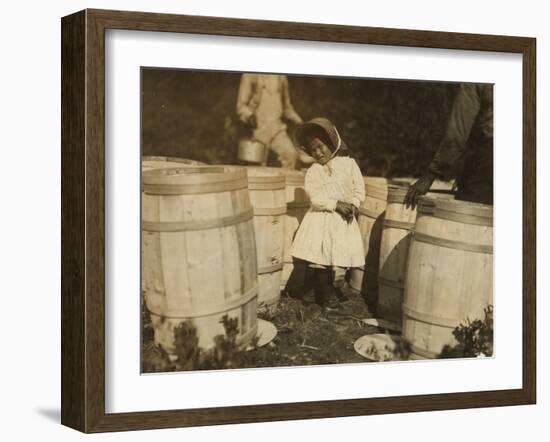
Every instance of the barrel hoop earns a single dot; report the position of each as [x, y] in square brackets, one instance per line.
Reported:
[396, 198]
[275, 177]
[298, 205]
[247, 337]
[425, 207]
[295, 181]
[194, 189]
[429, 318]
[270, 269]
[452, 244]
[211, 310]
[395, 224]
[376, 192]
[188, 226]
[269, 211]
[266, 185]
[390, 283]
[462, 217]
[424, 353]
[475, 209]
[370, 213]
[271, 301]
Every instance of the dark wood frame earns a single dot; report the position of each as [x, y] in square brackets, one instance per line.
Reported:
[83, 220]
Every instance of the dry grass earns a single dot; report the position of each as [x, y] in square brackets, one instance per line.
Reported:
[305, 337]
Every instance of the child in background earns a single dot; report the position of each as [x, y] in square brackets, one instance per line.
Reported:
[328, 237]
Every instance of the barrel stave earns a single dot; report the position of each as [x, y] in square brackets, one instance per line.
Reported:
[266, 187]
[394, 252]
[297, 203]
[370, 218]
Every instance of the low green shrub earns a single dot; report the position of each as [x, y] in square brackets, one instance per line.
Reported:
[474, 338]
[226, 353]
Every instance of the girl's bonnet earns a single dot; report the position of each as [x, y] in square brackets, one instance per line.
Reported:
[328, 133]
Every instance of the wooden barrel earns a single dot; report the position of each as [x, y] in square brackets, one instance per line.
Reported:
[159, 162]
[199, 252]
[297, 204]
[371, 215]
[449, 274]
[266, 187]
[394, 251]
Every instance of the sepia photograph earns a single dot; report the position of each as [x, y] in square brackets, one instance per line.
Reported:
[298, 220]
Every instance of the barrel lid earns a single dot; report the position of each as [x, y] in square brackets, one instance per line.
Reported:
[401, 181]
[146, 158]
[193, 175]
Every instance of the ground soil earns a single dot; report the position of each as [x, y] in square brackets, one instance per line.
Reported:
[305, 336]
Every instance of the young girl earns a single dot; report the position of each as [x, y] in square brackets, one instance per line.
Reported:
[328, 237]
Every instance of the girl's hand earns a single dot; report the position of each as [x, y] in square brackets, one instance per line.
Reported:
[345, 210]
[353, 215]
[355, 210]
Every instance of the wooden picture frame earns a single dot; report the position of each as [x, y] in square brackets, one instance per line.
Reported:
[83, 220]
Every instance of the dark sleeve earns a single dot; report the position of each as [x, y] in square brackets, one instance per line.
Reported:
[463, 115]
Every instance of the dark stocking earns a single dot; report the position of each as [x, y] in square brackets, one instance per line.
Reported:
[322, 286]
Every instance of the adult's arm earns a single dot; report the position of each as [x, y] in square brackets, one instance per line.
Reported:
[443, 166]
[288, 109]
[463, 115]
[244, 110]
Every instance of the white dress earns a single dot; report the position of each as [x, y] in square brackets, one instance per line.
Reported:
[324, 237]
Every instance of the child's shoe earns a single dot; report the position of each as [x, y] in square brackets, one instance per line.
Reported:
[335, 308]
[326, 295]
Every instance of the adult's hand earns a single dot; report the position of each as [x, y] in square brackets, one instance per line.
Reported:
[420, 187]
